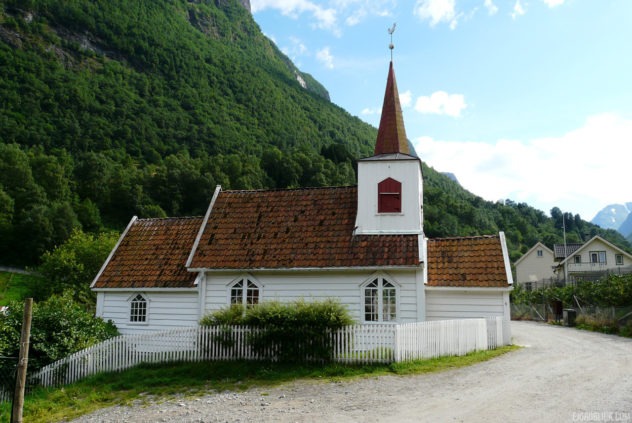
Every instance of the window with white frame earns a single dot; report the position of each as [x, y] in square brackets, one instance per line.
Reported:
[138, 309]
[618, 258]
[540, 253]
[245, 292]
[380, 301]
[578, 259]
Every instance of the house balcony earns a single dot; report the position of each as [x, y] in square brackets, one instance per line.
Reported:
[589, 267]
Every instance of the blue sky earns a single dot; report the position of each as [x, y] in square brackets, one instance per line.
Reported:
[526, 100]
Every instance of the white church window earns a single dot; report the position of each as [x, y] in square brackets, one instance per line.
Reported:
[380, 301]
[245, 292]
[138, 309]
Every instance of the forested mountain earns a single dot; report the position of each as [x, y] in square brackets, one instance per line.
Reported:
[121, 108]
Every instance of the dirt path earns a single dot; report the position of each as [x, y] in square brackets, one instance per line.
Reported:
[562, 375]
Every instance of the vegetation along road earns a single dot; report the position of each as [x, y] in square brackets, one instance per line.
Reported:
[561, 375]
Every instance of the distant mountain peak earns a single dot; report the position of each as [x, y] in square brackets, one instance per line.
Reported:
[613, 216]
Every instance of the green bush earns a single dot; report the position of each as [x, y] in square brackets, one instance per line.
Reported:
[626, 330]
[59, 327]
[288, 332]
[597, 324]
[611, 291]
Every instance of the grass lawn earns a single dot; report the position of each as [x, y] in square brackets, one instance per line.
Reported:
[193, 379]
[16, 286]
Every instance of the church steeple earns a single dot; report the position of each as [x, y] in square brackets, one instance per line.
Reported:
[390, 186]
[391, 135]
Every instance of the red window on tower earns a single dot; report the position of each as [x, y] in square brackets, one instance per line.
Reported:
[389, 193]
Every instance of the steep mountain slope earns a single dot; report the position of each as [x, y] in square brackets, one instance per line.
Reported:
[121, 108]
[612, 216]
[626, 227]
[118, 108]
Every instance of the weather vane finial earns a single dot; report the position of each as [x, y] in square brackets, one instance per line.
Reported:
[391, 46]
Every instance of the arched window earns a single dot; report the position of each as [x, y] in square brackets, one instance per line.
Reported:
[380, 301]
[389, 193]
[245, 292]
[138, 309]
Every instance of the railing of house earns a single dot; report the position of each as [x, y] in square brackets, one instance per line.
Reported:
[368, 343]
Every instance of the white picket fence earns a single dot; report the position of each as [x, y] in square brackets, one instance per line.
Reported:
[367, 343]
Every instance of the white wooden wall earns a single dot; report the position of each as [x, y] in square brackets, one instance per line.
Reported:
[165, 310]
[370, 173]
[466, 304]
[318, 286]
[533, 268]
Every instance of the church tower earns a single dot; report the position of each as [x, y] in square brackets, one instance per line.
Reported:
[390, 185]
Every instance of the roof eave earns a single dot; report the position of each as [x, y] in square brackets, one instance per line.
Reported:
[152, 289]
[469, 288]
[305, 269]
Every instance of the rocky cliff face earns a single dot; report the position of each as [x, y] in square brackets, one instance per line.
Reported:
[246, 4]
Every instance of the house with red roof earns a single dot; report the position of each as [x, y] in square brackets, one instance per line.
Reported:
[363, 245]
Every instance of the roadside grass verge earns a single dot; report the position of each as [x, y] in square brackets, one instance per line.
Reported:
[148, 383]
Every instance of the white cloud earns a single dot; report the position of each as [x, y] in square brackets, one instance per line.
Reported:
[581, 171]
[369, 111]
[359, 10]
[300, 46]
[518, 10]
[492, 9]
[441, 103]
[553, 3]
[356, 17]
[406, 98]
[437, 11]
[352, 12]
[325, 17]
[324, 56]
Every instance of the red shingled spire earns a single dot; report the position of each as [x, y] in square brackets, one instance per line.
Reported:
[391, 136]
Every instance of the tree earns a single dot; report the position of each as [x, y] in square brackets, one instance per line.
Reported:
[6, 219]
[74, 264]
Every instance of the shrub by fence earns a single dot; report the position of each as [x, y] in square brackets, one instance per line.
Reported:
[8, 368]
[367, 343]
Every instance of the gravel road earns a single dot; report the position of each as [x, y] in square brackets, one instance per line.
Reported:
[561, 375]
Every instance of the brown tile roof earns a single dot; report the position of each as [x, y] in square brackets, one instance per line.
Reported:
[301, 228]
[152, 255]
[391, 134]
[466, 262]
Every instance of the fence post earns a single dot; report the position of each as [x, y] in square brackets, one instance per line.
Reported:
[20, 379]
[397, 345]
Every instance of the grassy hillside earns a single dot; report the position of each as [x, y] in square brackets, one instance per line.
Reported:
[16, 286]
[122, 108]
